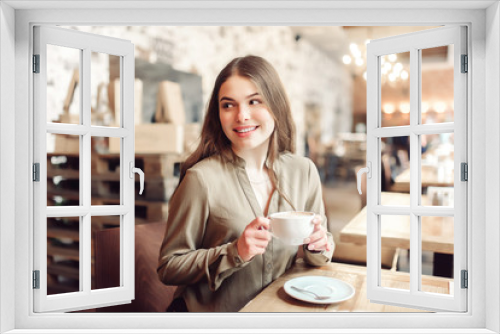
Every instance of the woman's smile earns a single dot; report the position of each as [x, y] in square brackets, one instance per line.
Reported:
[245, 131]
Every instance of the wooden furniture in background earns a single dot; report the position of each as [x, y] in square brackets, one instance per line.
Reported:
[430, 178]
[169, 105]
[274, 298]
[63, 189]
[437, 235]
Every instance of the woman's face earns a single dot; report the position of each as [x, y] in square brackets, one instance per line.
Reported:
[245, 119]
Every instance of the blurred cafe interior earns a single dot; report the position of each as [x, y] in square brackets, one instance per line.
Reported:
[324, 72]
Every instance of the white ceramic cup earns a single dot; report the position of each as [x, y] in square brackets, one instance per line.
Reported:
[292, 227]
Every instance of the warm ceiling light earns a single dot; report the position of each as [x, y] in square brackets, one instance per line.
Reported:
[359, 61]
[440, 107]
[364, 75]
[425, 107]
[397, 68]
[404, 75]
[355, 50]
[404, 107]
[388, 108]
[393, 57]
[392, 77]
[346, 59]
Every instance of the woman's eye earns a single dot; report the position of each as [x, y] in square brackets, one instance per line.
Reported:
[254, 102]
[227, 105]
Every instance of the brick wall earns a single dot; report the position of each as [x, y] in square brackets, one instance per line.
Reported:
[310, 76]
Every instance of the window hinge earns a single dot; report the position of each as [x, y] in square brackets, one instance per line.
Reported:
[36, 172]
[36, 279]
[465, 279]
[465, 64]
[36, 63]
[464, 172]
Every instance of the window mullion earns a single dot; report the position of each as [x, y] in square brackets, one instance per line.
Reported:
[66, 211]
[101, 131]
[373, 183]
[415, 237]
[85, 177]
[391, 210]
[436, 128]
[127, 157]
[67, 129]
[80, 130]
[392, 131]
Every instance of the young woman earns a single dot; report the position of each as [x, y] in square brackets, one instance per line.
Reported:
[217, 247]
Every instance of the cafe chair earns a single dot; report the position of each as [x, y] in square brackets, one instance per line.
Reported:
[151, 295]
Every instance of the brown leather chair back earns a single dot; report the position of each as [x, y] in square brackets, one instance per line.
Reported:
[150, 294]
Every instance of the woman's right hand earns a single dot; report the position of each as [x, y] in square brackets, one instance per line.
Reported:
[254, 239]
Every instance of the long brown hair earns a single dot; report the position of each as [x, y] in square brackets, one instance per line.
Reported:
[214, 141]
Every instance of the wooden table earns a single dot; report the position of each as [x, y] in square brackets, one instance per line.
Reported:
[437, 233]
[430, 178]
[274, 298]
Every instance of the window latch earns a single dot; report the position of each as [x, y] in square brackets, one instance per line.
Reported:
[133, 170]
[367, 170]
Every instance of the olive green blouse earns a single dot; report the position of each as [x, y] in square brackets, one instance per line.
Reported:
[209, 211]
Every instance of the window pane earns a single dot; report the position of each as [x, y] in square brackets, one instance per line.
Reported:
[437, 85]
[63, 255]
[63, 170]
[395, 86]
[104, 93]
[105, 252]
[395, 245]
[106, 168]
[438, 169]
[63, 90]
[395, 170]
[437, 253]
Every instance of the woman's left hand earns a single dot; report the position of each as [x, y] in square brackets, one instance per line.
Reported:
[318, 240]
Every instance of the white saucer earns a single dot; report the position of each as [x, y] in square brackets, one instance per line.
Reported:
[337, 290]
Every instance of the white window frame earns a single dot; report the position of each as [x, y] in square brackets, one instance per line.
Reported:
[415, 210]
[85, 297]
[483, 104]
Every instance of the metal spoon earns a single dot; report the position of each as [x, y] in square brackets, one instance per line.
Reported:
[316, 296]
